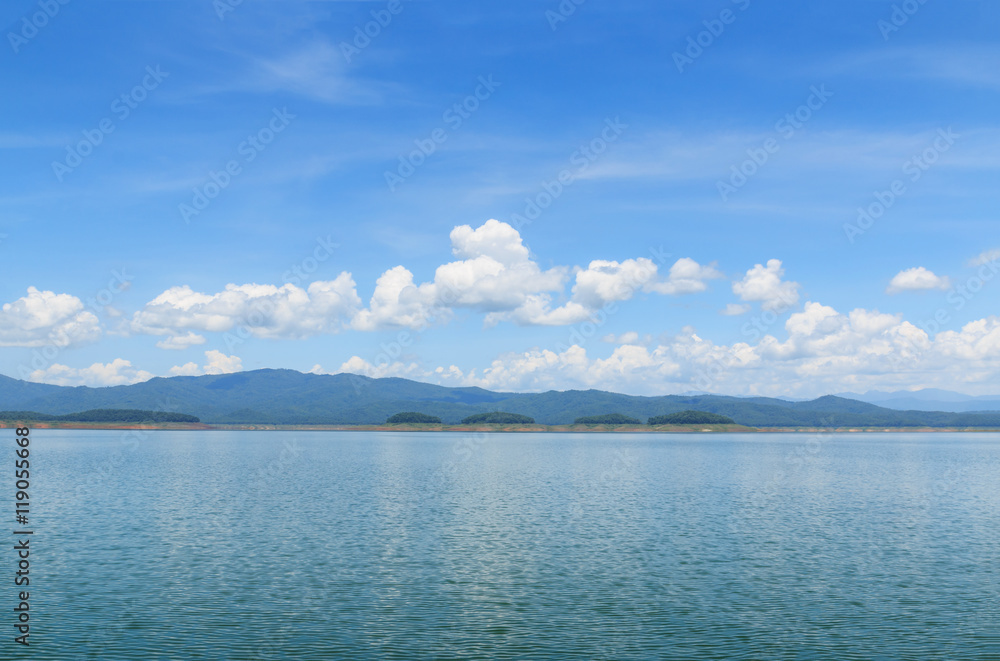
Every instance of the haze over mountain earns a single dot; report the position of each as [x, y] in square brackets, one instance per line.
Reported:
[927, 399]
[290, 397]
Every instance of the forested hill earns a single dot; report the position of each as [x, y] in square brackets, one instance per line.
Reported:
[289, 397]
[117, 416]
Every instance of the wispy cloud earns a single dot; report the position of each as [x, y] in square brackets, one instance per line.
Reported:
[316, 71]
[976, 65]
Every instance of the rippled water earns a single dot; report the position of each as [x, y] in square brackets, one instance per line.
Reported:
[338, 545]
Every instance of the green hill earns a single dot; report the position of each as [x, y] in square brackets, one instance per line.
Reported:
[498, 418]
[691, 418]
[412, 417]
[607, 419]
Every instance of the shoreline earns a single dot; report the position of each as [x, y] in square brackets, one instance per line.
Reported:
[417, 428]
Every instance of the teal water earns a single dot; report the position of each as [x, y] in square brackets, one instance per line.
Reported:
[339, 545]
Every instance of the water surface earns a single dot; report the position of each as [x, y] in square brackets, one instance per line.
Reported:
[340, 545]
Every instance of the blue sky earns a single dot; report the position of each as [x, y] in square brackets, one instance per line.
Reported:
[393, 203]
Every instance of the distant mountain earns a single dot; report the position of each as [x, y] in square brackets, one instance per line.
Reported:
[927, 399]
[289, 397]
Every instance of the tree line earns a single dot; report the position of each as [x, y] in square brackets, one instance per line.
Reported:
[504, 418]
[99, 415]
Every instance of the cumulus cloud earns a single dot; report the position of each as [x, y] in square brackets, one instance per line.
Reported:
[264, 310]
[216, 363]
[764, 285]
[605, 282]
[358, 365]
[494, 274]
[179, 342]
[822, 350]
[43, 318]
[397, 302]
[916, 279]
[686, 277]
[118, 372]
[630, 367]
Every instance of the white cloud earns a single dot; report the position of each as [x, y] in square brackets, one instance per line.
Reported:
[686, 277]
[179, 342]
[358, 365]
[734, 310]
[985, 257]
[118, 372]
[493, 239]
[823, 351]
[398, 302]
[264, 310]
[977, 344]
[605, 281]
[763, 284]
[187, 369]
[630, 337]
[628, 368]
[916, 279]
[537, 311]
[495, 275]
[216, 363]
[45, 318]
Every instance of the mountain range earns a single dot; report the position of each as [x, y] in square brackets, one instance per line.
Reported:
[927, 399]
[276, 396]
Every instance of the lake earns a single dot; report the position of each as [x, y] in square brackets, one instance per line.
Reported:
[344, 545]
